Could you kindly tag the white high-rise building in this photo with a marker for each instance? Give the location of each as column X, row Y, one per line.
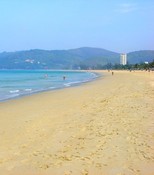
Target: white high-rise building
column 123, row 59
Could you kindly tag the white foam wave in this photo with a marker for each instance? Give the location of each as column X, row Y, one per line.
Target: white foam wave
column 9, row 97
column 14, row 91
column 14, row 95
column 52, row 87
column 28, row 89
column 74, row 82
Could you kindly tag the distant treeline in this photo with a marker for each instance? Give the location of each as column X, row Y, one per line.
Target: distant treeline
column 140, row 66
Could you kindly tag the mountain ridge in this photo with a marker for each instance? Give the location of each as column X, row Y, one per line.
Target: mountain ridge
column 68, row 59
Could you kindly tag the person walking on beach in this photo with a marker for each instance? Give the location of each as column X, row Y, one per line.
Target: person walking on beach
column 112, row 73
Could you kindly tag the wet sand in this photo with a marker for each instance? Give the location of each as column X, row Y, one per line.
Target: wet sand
column 104, row 127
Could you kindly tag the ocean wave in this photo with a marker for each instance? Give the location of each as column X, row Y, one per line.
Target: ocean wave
column 14, row 91
column 74, row 82
column 52, row 87
column 7, row 97
column 28, row 89
column 94, row 74
column 14, row 95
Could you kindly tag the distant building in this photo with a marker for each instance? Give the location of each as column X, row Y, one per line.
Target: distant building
column 123, row 59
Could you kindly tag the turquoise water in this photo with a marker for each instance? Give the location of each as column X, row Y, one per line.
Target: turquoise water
column 16, row 83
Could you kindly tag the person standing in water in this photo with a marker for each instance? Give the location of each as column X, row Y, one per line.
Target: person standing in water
column 46, row 76
column 64, row 77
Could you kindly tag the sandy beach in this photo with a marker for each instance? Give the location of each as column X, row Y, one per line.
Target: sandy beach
column 104, row 127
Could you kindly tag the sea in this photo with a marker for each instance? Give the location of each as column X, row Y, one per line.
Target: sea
column 17, row 83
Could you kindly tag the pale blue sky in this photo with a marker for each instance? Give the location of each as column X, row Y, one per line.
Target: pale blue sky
column 117, row 25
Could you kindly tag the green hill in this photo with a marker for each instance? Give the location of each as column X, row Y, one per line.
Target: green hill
column 68, row 59
column 140, row 56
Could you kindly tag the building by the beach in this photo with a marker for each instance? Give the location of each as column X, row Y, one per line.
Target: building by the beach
column 123, row 59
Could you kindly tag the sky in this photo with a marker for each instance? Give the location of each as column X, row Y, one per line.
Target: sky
column 116, row 25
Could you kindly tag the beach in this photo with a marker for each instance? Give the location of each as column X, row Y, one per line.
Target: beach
column 103, row 127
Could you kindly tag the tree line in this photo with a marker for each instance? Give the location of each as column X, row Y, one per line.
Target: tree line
column 139, row 66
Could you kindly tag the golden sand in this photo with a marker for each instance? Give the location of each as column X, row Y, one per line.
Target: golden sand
column 104, row 127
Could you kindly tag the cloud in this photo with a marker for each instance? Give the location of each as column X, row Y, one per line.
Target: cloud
column 126, row 8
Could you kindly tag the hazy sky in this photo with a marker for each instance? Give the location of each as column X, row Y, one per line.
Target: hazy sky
column 117, row 25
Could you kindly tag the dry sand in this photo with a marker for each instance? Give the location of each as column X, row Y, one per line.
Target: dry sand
column 105, row 127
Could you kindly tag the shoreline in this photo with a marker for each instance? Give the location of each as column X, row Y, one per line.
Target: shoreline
column 101, row 127
column 67, row 85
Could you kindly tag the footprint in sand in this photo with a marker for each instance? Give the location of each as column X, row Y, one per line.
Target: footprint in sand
column 98, row 165
column 45, row 166
column 68, row 173
column 84, row 172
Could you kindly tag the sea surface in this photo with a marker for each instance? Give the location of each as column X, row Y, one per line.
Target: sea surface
column 16, row 83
